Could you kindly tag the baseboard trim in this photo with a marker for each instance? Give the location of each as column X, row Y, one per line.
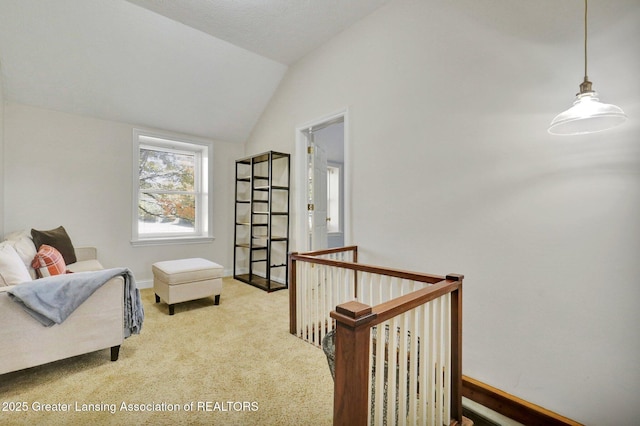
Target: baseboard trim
column 511, row 406
column 144, row 284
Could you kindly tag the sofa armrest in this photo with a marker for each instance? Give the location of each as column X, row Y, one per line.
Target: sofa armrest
column 86, row 253
column 96, row 324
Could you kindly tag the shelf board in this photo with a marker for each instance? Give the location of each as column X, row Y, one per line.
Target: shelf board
column 265, row 237
column 249, row 224
column 266, row 187
column 272, row 213
column 261, row 283
column 261, row 158
column 252, row 247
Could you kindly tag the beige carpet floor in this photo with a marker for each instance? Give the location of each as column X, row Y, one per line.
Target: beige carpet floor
column 231, row 364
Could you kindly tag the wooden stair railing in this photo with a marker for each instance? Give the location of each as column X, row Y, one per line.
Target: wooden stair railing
column 353, row 333
column 353, row 330
column 341, row 254
column 354, row 320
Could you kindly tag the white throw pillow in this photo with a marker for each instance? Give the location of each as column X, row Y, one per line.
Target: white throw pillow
column 23, row 244
column 12, row 269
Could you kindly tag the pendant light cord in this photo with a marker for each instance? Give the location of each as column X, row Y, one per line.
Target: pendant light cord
column 585, row 86
column 585, row 39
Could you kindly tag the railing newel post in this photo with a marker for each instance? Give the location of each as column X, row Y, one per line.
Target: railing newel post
column 456, row 348
column 351, row 383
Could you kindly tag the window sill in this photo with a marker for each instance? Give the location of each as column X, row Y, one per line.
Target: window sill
column 171, row 240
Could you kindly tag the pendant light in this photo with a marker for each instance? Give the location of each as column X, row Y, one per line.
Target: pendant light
column 588, row 114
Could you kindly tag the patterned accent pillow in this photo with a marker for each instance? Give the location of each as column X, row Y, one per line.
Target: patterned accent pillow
column 48, row 262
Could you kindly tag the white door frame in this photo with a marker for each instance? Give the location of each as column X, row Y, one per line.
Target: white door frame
column 301, row 177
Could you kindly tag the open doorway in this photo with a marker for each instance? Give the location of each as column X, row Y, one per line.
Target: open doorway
column 322, row 183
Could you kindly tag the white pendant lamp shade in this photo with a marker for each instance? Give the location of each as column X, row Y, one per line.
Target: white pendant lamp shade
column 588, row 114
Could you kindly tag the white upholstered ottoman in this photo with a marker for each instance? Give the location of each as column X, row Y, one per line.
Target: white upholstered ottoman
column 176, row 281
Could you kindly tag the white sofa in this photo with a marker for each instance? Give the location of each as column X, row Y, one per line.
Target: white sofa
column 96, row 324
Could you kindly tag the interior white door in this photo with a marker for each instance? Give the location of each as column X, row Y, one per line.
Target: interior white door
column 317, row 195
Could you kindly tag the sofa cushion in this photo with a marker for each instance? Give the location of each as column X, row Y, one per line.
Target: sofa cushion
column 85, row 266
column 12, row 269
column 48, row 262
column 57, row 238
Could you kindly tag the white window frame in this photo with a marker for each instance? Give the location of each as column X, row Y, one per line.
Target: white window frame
column 203, row 182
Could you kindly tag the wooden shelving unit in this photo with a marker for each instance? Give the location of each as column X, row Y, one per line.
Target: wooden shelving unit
column 261, row 228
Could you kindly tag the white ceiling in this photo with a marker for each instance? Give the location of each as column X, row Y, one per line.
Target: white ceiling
column 209, row 67
column 283, row 30
column 118, row 61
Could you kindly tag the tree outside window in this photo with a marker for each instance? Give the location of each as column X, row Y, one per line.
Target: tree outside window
column 171, row 189
column 167, row 200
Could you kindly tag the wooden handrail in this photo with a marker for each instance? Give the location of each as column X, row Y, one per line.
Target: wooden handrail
column 511, row 406
column 399, row 305
column 361, row 267
column 354, row 249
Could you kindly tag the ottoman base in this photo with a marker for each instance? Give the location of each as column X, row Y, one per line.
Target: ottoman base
column 187, row 294
column 216, row 301
column 186, row 279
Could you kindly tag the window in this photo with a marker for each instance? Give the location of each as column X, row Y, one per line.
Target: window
column 334, row 206
column 171, row 183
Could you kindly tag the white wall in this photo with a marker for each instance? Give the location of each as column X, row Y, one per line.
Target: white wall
column 1, row 156
column 453, row 171
column 63, row 169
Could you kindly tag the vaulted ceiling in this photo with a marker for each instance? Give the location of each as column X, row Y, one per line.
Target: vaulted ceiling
column 282, row 30
column 209, row 67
